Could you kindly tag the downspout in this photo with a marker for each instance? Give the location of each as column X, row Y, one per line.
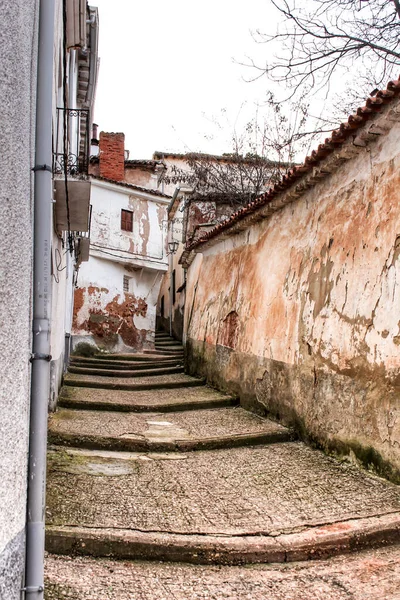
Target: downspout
column 40, row 379
column 170, row 256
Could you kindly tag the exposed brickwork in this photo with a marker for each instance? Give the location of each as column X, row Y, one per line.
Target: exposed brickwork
column 112, row 156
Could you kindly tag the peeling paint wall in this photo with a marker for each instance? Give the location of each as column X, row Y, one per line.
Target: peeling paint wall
column 105, row 313
column 147, row 178
column 316, row 291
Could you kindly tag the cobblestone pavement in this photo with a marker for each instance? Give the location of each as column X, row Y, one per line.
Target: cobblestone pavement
column 371, row 575
column 266, row 489
column 178, row 425
column 272, row 502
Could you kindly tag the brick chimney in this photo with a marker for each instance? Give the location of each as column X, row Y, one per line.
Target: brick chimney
column 112, row 156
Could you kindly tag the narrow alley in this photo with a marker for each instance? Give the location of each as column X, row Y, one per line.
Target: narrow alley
column 160, row 487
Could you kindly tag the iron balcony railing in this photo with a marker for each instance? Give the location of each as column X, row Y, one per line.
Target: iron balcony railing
column 72, row 142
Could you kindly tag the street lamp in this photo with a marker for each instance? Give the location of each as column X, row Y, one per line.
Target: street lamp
column 173, row 247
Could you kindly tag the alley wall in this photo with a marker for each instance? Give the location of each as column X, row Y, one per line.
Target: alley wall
column 299, row 314
column 18, row 43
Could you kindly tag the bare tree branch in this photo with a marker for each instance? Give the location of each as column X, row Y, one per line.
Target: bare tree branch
column 318, row 37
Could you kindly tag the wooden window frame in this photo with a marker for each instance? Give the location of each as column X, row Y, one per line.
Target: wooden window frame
column 126, row 220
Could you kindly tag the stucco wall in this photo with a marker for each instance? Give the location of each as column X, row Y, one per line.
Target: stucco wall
column 300, row 313
column 18, row 46
column 146, row 241
column 109, row 317
column 104, row 313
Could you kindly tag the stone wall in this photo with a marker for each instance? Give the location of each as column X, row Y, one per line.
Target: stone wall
column 299, row 314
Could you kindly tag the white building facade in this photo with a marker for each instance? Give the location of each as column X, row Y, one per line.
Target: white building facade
column 117, row 289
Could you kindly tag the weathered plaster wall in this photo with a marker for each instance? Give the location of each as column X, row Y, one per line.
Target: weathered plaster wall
column 300, row 313
column 104, row 313
column 18, row 51
column 172, row 321
column 109, row 317
column 143, row 177
column 146, row 241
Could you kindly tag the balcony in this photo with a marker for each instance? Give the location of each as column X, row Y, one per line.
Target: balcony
column 72, row 142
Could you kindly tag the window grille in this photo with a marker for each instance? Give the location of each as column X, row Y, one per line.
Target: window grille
column 126, row 283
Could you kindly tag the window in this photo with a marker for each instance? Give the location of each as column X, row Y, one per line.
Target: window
column 126, row 220
column 126, row 283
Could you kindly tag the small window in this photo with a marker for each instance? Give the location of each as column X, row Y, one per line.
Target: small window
column 126, row 283
column 126, row 220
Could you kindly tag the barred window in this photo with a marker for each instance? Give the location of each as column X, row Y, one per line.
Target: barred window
column 126, row 283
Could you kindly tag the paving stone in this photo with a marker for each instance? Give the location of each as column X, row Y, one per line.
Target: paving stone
column 223, row 427
column 370, row 575
column 143, row 400
column 266, row 489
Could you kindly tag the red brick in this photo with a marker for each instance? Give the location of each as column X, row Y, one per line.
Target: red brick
column 112, row 156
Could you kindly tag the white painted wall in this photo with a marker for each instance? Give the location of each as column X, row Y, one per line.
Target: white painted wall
column 102, row 307
column 18, row 49
column 145, row 243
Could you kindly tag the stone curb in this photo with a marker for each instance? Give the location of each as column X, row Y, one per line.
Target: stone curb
column 118, row 373
column 109, row 385
column 312, row 543
column 94, row 442
column 162, row 408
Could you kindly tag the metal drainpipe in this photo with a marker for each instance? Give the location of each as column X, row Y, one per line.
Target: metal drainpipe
column 171, row 264
column 40, row 382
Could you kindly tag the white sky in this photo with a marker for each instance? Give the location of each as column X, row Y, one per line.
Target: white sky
column 168, row 68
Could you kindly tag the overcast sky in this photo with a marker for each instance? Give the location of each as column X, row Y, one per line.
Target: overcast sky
column 167, row 69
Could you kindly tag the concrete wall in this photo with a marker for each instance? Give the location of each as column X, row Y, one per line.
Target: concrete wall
column 300, row 313
column 104, row 313
column 18, row 51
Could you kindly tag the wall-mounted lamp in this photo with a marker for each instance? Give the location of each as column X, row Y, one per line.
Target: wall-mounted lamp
column 172, row 247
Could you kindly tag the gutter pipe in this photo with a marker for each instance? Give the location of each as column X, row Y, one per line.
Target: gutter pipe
column 40, row 379
column 170, row 257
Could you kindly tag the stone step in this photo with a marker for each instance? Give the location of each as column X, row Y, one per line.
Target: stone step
column 153, row 382
column 126, row 364
column 168, row 344
column 165, row 400
column 275, row 503
column 153, row 432
column 163, row 336
column 370, row 575
column 172, row 351
column 143, row 357
column 159, row 370
column 165, row 353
